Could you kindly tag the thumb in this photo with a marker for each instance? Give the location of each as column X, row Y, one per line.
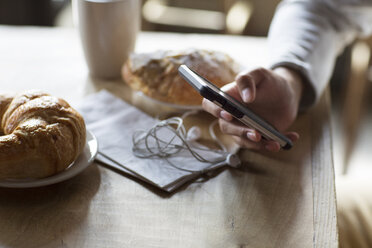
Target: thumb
column 248, row 82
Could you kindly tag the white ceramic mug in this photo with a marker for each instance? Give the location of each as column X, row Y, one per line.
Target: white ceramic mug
column 108, row 31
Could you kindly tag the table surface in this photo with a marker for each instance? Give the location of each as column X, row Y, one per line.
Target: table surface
column 275, row 200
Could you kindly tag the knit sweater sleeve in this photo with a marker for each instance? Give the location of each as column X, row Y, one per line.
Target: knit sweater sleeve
column 309, row 35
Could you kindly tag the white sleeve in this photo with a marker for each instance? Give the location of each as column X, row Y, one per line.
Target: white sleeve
column 308, row 35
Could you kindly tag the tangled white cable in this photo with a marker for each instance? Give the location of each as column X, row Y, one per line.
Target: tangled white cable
column 169, row 137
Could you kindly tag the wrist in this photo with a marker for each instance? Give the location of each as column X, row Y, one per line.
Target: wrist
column 294, row 80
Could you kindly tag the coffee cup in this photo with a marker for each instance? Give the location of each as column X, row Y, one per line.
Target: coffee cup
column 108, row 31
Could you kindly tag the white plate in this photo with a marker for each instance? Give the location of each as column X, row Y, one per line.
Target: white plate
column 82, row 162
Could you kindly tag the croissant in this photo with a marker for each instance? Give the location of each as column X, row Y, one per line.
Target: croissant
column 40, row 135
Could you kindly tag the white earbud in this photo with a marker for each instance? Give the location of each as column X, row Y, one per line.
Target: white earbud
column 233, row 160
column 194, row 133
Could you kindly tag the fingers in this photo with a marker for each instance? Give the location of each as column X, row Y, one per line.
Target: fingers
column 215, row 110
column 211, row 108
column 247, row 83
column 249, row 138
column 245, row 143
column 271, row 146
column 293, row 136
column 242, row 131
column 226, row 115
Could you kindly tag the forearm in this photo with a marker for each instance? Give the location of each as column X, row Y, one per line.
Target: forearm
column 307, row 36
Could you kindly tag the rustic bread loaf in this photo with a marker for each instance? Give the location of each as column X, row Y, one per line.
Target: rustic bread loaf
column 156, row 75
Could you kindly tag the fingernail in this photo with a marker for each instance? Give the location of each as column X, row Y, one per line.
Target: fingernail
column 252, row 136
column 225, row 115
column 246, row 95
column 272, row 147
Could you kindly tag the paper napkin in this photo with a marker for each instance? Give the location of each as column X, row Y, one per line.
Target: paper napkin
column 114, row 121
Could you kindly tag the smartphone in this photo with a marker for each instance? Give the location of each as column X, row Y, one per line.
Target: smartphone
column 211, row 92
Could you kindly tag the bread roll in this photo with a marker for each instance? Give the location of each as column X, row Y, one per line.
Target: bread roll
column 41, row 135
column 156, row 74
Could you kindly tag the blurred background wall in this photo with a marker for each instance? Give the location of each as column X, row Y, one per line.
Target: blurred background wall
column 27, row 12
column 244, row 17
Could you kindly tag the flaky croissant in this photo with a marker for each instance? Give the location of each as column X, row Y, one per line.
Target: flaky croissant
column 40, row 135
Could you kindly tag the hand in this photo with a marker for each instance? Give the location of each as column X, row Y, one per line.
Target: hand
column 274, row 95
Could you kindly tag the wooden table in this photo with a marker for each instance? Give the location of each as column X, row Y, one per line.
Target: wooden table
column 281, row 200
